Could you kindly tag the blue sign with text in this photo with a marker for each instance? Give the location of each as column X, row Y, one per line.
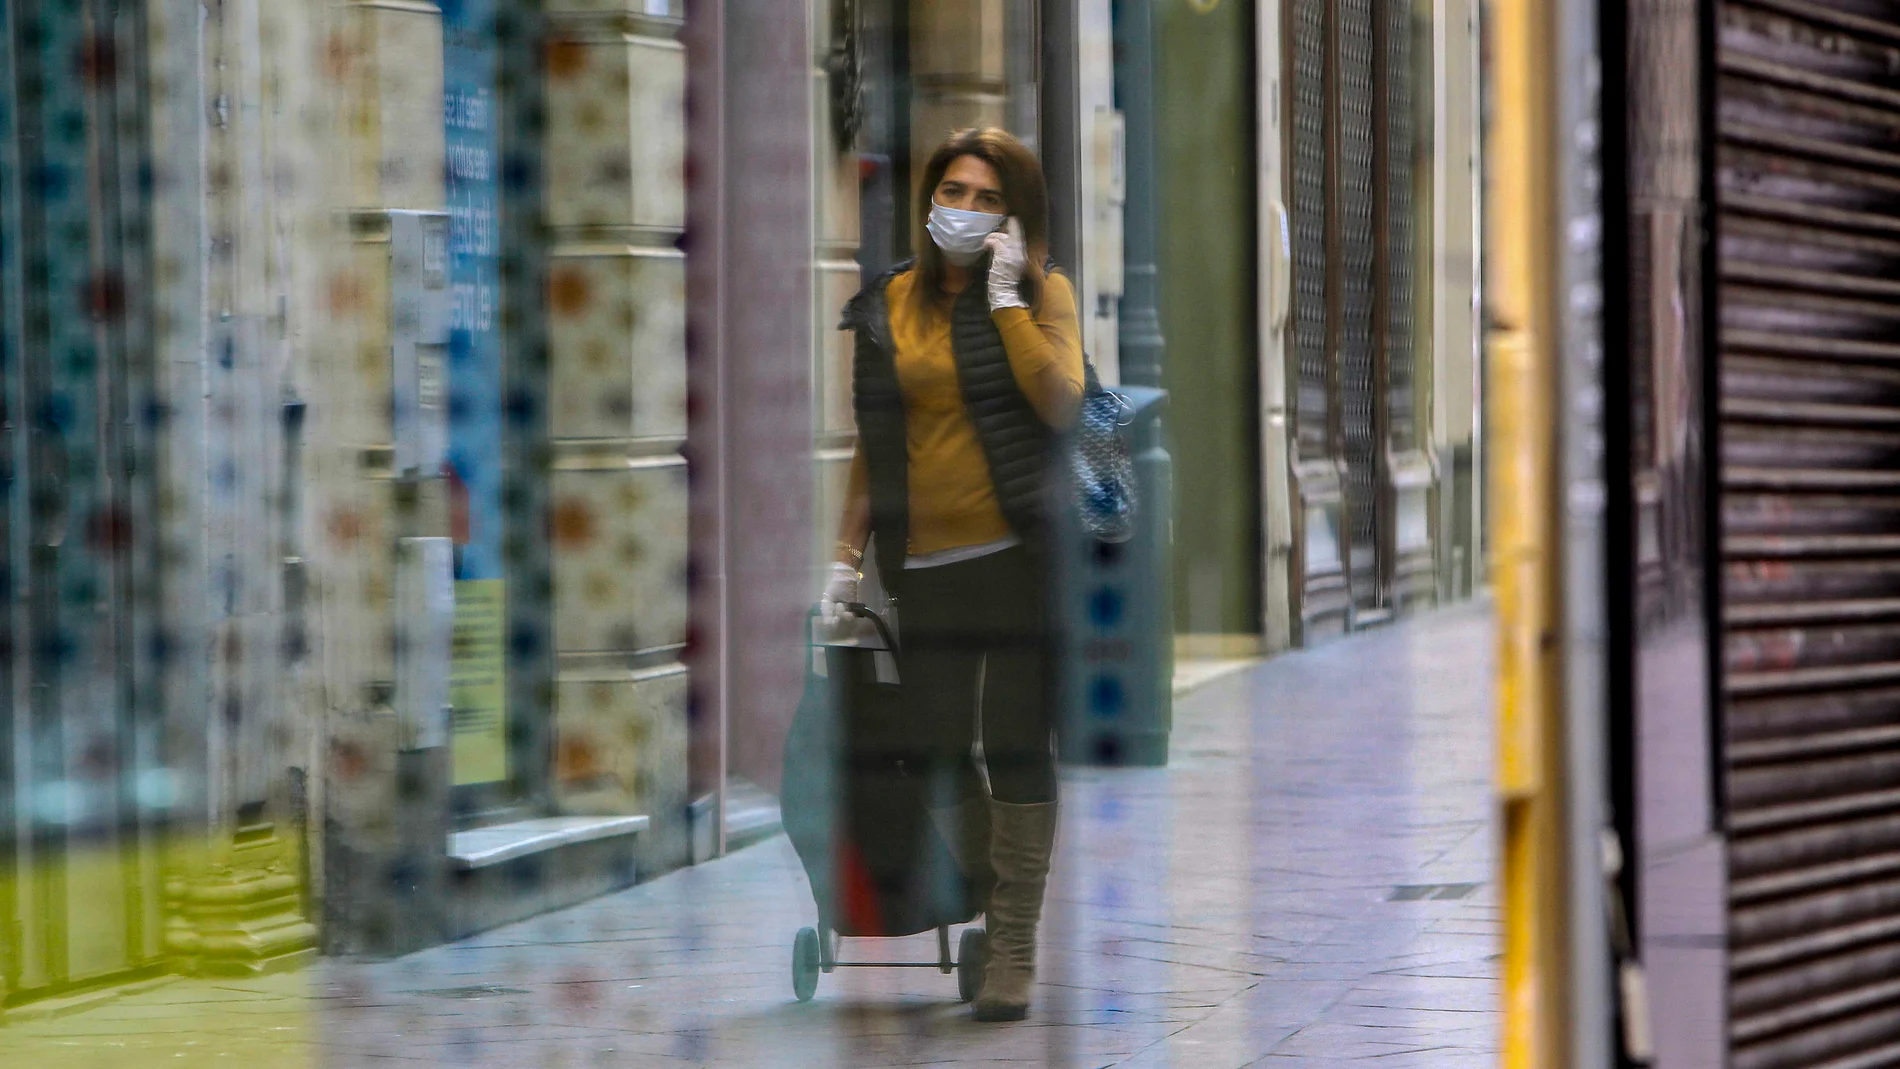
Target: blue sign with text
column 474, row 340
column 478, row 696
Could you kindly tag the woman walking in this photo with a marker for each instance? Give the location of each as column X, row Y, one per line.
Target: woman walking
column 968, row 362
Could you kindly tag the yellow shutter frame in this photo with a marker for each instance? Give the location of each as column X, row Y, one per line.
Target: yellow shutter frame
column 1520, row 411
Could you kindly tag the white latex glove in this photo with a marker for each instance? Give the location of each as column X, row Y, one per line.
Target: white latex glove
column 1008, row 260
column 840, row 591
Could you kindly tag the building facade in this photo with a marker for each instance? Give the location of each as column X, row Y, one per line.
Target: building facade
column 425, row 431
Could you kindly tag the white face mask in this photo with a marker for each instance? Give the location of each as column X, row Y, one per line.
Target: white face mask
column 959, row 233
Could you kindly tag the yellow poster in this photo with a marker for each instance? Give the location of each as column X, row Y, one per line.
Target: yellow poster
column 477, row 687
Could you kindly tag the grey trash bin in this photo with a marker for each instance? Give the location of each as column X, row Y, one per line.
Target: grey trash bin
column 1114, row 615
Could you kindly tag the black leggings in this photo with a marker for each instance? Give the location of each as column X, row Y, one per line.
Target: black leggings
column 981, row 620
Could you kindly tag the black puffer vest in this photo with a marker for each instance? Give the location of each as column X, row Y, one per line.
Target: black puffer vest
column 1016, row 442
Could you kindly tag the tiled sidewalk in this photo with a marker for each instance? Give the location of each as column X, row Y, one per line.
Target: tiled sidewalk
column 1308, row 884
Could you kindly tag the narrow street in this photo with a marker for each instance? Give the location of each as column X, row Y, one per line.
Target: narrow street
column 1308, row 884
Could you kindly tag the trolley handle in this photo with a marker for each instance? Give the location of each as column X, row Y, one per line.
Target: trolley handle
column 864, row 612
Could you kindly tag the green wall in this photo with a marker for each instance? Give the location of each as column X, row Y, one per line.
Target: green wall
column 1204, row 124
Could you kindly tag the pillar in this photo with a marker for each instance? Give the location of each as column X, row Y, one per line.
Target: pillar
column 617, row 424
column 240, row 901
column 385, row 785
column 959, row 71
column 1141, row 347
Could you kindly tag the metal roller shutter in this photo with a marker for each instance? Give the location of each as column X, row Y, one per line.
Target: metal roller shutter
column 1809, row 217
column 1405, row 543
column 1358, row 379
column 1325, row 600
column 1397, row 226
column 1308, row 212
column 1352, row 145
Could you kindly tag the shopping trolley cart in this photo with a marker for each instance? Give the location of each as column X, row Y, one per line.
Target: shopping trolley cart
column 853, row 804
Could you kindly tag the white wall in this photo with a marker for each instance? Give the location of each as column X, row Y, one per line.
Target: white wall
column 1456, row 275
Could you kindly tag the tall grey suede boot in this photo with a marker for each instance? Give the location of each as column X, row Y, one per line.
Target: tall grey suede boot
column 1021, row 838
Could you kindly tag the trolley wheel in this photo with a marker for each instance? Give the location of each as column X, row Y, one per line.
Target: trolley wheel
column 973, row 953
column 805, row 964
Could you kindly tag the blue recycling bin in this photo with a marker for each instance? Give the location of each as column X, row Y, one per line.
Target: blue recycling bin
column 1115, row 618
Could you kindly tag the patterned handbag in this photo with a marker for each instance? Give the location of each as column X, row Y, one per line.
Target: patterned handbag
column 1101, row 465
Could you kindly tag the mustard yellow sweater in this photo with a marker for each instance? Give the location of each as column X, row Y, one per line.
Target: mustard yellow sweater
column 952, row 499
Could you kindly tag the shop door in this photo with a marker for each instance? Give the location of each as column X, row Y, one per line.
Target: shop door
column 1315, row 455
column 1361, row 481
column 1360, row 364
column 81, row 884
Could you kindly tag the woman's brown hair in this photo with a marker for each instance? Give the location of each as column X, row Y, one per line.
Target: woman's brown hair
column 1024, row 190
